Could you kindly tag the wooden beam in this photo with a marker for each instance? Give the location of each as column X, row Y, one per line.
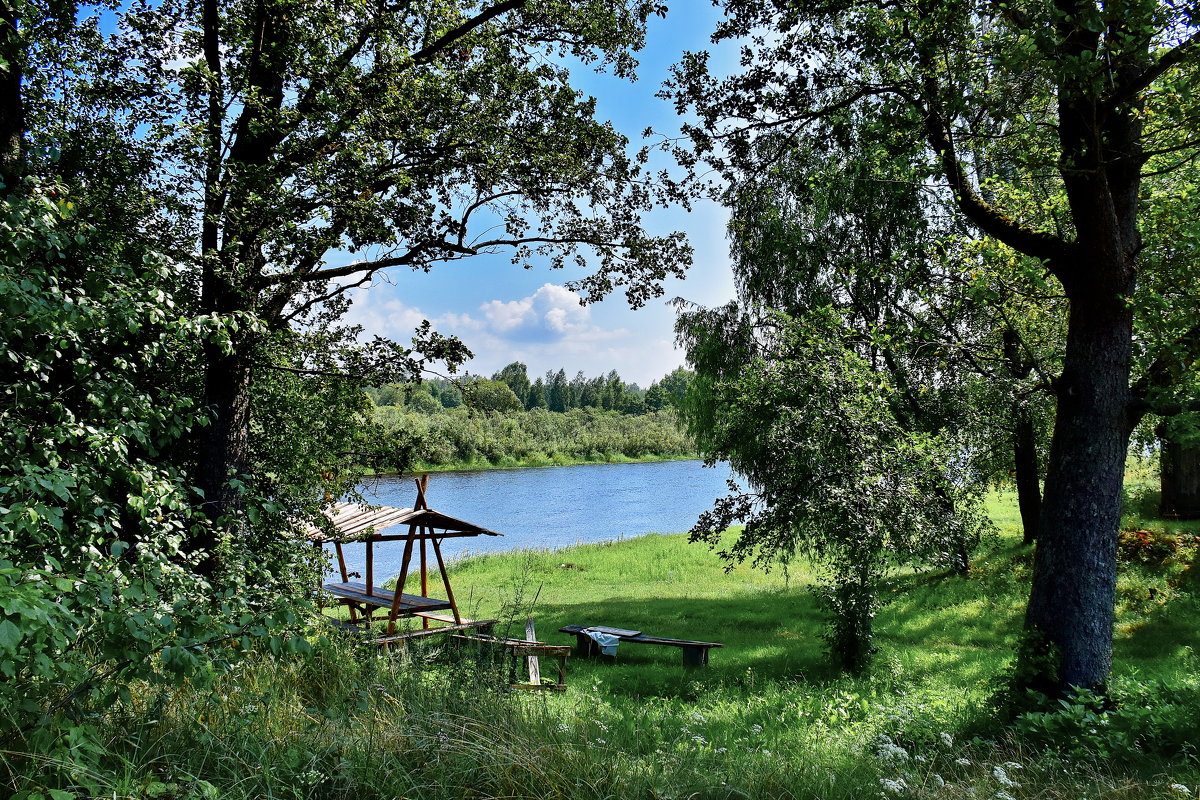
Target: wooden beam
column 437, row 551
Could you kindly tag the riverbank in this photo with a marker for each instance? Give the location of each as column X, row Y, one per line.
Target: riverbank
column 767, row 719
column 537, row 461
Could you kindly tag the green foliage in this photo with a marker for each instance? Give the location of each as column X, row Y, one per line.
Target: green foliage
column 1135, row 720
column 493, row 395
column 462, row 437
column 96, row 587
column 832, row 474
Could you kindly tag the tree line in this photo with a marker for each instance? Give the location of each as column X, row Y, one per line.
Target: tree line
column 507, row 420
column 510, row 389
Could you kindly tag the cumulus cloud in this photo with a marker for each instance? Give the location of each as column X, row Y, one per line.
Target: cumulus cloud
column 546, row 330
column 550, row 314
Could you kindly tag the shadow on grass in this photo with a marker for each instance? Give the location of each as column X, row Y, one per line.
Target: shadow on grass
column 936, row 625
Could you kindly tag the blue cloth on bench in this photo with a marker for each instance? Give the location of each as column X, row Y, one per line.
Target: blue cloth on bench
column 605, row 641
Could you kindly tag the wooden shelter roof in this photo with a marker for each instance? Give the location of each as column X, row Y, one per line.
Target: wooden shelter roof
column 351, row 520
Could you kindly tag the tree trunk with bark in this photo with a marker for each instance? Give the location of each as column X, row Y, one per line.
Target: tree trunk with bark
column 1071, row 603
column 1070, row 610
column 1179, row 479
column 12, row 108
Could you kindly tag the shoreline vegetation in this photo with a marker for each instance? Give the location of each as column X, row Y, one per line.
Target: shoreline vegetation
column 419, row 467
column 507, row 422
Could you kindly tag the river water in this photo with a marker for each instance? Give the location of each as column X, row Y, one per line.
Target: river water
column 552, row 507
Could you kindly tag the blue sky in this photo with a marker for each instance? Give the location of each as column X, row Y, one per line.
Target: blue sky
column 505, row 314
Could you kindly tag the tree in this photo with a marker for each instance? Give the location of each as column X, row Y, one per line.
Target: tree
column 844, row 227
column 304, row 134
column 675, row 383
column 833, row 476
column 537, row 395
column 489, row 395
column 558, row 391
column 1060, row 94
column 517, row 378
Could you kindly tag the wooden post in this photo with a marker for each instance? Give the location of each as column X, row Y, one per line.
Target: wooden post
column 398, row 599
column 424, row 576
column 341, row 557
column 535, row 669
column 437, row 551
column 370, row 567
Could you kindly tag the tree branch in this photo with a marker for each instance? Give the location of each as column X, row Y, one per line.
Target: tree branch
column 1126, row 91
column 406, row 260
column 426, row 54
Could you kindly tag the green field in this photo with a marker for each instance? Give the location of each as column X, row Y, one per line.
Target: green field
column 767, row 719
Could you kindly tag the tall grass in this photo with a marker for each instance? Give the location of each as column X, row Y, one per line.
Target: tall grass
column 767, row 719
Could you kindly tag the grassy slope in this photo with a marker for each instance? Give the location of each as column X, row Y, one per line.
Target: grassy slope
column 940, row 629
column 767, row 719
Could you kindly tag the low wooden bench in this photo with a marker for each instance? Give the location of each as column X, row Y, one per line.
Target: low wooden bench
column 410, row 605
column 517, row 649
column 695, row 654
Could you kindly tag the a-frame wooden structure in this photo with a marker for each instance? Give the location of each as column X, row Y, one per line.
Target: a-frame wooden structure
column 426, row 530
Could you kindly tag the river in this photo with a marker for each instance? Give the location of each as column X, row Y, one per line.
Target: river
column 552, row 507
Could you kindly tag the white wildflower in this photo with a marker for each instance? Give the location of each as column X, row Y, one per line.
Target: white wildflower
column 756, row 729
column 947, row 739
column 893, row 786
column 1003, row 796
column 938, row 780
column 1179, row 788
column 963, row 762
column 1002, row 777
column 888, row 751
column 1012, row 765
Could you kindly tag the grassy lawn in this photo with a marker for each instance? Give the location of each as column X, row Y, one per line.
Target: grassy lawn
column 767, row 719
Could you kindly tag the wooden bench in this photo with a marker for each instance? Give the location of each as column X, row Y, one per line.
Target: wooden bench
column 410, row 605
column 516, row 649
column 695, row 654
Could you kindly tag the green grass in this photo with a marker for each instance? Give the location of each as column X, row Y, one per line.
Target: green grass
column 767, row 719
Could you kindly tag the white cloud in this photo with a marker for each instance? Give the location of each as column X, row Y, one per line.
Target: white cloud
column 552, row 312
column 546, row 330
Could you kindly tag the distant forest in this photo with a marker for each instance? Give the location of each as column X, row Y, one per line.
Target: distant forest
column 510, row 420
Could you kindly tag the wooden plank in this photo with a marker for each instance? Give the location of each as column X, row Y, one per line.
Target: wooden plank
column 535, row 669
column 450, row 619
column 554, row 650
column 642, row 638
column 382, row 598
column 614, row 631
column 400, row 637
column 543, row 687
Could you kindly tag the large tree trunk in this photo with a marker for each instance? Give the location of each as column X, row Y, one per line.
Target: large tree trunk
column 224, row 447
column 1180, row 479
column 1070, row 609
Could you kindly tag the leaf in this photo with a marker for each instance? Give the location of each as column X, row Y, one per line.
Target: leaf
column 10, row 636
